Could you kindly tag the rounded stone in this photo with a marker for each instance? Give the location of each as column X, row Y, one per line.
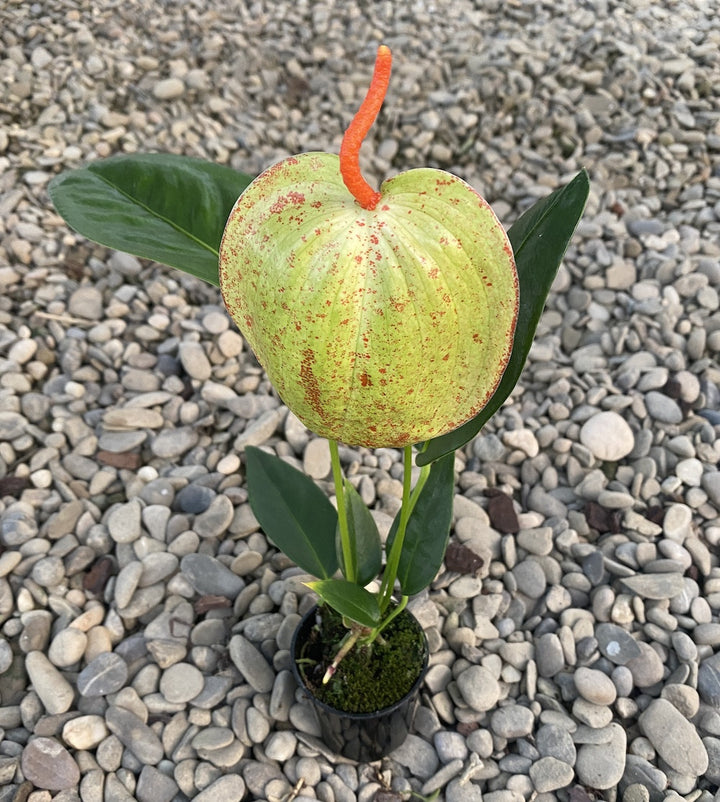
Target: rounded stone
column 104, row 675
column 181, row 682
column 595, row 686
column 85, row 732
column 607, row 436
column 479, row 688
column 550, row 774
column 67, row 647
column 48, row 764
column 512, row 721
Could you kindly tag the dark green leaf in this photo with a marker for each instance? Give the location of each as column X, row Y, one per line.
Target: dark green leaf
column 159, row 206
column 539, row 240
column 428, row 529
column 349, row 599
column 364, row 538
column 294, row 513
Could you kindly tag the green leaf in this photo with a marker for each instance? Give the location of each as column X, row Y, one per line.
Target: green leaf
column 428, row 528
column 293, row 512
column 159, row 206
column 349, row 600
column 539, row 238
column 364, row 538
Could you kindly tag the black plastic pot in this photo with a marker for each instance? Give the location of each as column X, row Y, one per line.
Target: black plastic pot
column 360, row 736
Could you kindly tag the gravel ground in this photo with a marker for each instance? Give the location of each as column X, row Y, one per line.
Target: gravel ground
column 144, row 619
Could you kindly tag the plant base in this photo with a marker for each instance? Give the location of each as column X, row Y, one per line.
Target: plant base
column 360, row 716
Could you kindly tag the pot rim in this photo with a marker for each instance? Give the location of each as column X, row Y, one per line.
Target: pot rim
column 357, row 716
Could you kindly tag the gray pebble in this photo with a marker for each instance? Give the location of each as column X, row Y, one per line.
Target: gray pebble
column 251, row 664
column 512, row 721
column 616, row 643
column 684, row 751
column 47, row 764
column 209, row 576
column 549, row 655
column 550, row 774
column 601, row 765
column 134, row 734
column 154, row 786
column 479, row 688
column 418, row 756
column 554, row 741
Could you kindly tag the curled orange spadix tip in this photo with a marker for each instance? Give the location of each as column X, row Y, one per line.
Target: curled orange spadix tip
column 365, row 195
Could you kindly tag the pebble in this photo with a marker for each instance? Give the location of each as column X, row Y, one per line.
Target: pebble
column 251, row 664
column 512, row 721
column 607, row 436
column 104, row 675
column 181, row 682
column 601, row 764
column 47, row 764
column 479, row 688
column 54, row 691
column 684, row 752
column 594, row 686
column 209, row 576
column 134, row 734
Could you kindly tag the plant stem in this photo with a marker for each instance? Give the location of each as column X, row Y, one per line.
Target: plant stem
column 348, row 553
column 395, row 611
column 349, row 641
column 393, row 560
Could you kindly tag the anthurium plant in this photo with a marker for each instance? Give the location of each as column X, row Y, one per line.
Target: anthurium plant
column 399, row 317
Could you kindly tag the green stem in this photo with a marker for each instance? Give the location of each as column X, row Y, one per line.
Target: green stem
column 393, row 560
column 395, row 611
column 349, row 568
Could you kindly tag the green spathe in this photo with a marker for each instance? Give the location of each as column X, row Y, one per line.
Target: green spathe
column 380, row 327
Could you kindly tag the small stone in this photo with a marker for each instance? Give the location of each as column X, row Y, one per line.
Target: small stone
column 194, row 361
column 85, row 732
column 67, row 647
column 554, row 741
column 530, row 578
column 550, row 774
column 594, row 686
column 216, row 519
column 86, row 302
column 655, row 586
column 210, row 577
column 154, row 786
column 47, row 764
column 316, row 460
column 281, row 746
column 104, row 675
column 709, row 680
column 134, row 734
column 54, row 690
column 181, row 682
column 229, row 788
column 607, row 436
column 173, row 443
column 417, row 755
column 663, row 408
column 674, row 738
column 616, row 643
column 512, row 721
column 124, row 522
column 194, row 499
column 479, row 688
column 602, row 765
column 251, row 664
column 647, row 668
column 549, row 655
column 168, row 89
